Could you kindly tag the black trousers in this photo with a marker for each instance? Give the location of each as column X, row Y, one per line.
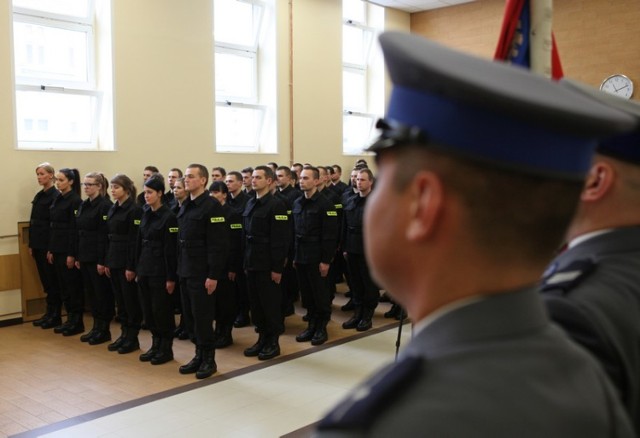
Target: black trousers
column 127, row 299
column 157, row 306
column 48, row 278
column 70, row 281
column 289, row 286
column 314, row 291
column 242, row 294
column 99, row 292
column 226, row 302
column 365, row 292
column 265, row 298
column 198, row 311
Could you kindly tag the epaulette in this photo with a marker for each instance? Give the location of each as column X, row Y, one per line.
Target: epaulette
column 567, row 278
column 373, row 397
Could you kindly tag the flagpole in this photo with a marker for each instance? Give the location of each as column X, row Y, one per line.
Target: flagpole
column 540, row 36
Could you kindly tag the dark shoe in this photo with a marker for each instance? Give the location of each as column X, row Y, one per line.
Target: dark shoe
column 256, row 348
column 270, row 350
column 155, row 346
column 308, row 333
column 320, row 336
column 402, row 314
column 54, row 321
column 193, row 365
column 100, row 337
column 91, row 333
column 47, row 315
column 118, row 342
column 208, row 366
column 348, row 307
column 129, row 345
column 224, row 338
column 352, row 322
column 366, row 322
column 62, row 327
column 165, row 352
column 177, row 332
column 395, row 310
column 242, row 320
column 76, row 327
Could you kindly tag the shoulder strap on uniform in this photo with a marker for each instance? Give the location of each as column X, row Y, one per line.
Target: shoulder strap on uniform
column 568, row 277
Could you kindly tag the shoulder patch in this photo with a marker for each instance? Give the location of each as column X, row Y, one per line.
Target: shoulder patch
column 370, row 399
column 216, row 220
column 567, row 277
column 281, row 217
column 173, row 229
column 236, row 226
column 338, row 206
column 332, row 213
column 136, row 222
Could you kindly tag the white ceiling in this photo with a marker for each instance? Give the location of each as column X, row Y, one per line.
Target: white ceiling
column 418, row 5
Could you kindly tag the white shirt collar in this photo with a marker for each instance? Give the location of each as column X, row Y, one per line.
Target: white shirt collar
column 584, row 237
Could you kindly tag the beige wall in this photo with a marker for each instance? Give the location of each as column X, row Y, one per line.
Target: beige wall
column 163, row 92
column 596, row 38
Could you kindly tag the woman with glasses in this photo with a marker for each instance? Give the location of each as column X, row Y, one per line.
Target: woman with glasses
column 62, row 249
column 91, row 222
column 123, row 221
column 39, row 231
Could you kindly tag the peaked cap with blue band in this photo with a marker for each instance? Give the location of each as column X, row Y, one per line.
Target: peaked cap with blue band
column 490, row 111
column 626, row 146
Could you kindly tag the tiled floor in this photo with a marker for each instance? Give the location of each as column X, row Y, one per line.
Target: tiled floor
column 48, row 379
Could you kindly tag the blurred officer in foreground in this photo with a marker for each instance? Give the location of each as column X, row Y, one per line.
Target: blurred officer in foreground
column 592, row 289
column 480, row 167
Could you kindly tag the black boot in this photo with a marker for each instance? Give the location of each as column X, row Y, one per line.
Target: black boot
column 223, row 338
column 366, row 322
column 165, row 351
column 393, row 312
column 208, row 365
column 65, row 325
column 194, row 364
column 308, row 333
column 349, row 306
column 130, row 343
column 353, row 322
column 102, row 334
column 242, row 320
column 54, row 320
column 118, row 342
column 76, row 327
column 91, row 333
column 38, row 322
column 321, row 335
column 151, row 352
column 255, row 349
column 271, row 348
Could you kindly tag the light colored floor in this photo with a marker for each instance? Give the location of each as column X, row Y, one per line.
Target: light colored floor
column 266, row 403
column 47, row 378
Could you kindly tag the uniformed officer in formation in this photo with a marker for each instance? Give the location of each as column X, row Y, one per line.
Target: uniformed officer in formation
column 156, row 270
column 266, row 240
column 203, row 250
column 480, row 169
column 316, row 232
column 592, row 289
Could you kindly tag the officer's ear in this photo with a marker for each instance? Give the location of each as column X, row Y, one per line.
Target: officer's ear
column 426, row 202
column 599, row 181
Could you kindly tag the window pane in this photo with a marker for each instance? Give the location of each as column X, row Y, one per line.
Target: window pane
column 50, row 53
column 354, row 10
column 234, row 22
column 235, row 77
column 356, row 134
column 354, row 90
column 75, row 8
column 55, row 118
column 354, row 45
column 237, row 128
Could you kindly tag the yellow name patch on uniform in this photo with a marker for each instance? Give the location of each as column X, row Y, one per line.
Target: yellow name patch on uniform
column 215, row 220
column 75, row 212
column 282, row 217
column 173, row 229
column 338, row 206
column 288, row 211
column 136, row 222
column 332, row 213
column 236, row 226
column 104, row 218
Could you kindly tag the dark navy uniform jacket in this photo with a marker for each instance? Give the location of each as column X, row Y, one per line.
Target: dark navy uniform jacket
column 203, row 238
column 239, row 202
column 91, row 223
column 62, row 215
column 39, row 224
column 267, row 234
column 352, row 240
column 156, row 247
column 593, row 292
column 316, row 228
column 122, row 223
column 234, row 222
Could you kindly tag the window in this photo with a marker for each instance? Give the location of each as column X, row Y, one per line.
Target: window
column 362, row 83
column 58, row 100
column 243, row 105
